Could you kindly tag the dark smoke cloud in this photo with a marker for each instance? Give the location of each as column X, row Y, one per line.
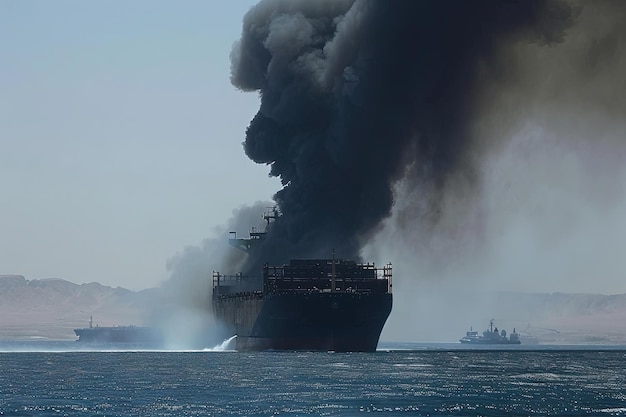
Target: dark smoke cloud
column 357, row 95
column 546, row 147
column 546, row 211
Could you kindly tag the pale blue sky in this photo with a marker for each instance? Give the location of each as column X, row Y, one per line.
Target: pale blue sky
column 120, row 136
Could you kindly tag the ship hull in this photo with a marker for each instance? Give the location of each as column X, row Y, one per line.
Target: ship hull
column 121, row 334
column 490, row 342
column 323, row 321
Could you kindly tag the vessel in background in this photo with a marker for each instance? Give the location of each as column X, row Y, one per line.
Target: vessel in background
column 491, row 336
column 117, row 334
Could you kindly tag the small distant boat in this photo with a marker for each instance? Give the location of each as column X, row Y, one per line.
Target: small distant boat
column 117, row 334
column 491, row 336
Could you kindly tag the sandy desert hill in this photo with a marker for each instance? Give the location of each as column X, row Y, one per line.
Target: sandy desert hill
column 52, row 308
column 49, row 309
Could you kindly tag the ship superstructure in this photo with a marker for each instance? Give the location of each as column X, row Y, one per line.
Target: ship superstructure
column 308, row 304
column 491, row 336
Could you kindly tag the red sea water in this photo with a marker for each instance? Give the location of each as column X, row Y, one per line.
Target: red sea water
column 407, row 380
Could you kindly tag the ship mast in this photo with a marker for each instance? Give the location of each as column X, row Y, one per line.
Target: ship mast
column 255, row 235
column 332, row 274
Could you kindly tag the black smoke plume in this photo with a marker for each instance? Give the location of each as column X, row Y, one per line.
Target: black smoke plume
column 357, row 95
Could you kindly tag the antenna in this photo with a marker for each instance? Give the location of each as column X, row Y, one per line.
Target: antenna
column 332, row 275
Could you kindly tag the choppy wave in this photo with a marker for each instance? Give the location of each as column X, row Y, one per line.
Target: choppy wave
column 416, row 383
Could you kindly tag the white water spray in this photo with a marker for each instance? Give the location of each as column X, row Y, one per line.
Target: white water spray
column 224, row 346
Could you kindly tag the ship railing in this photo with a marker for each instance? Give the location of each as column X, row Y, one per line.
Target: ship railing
column 387, row 274
column 323, row 278
column 303, row 274
column 307, row 273
column 223, row 284
column 362, row 291
column 241, row 295
column 324, row 285
column 277, row 278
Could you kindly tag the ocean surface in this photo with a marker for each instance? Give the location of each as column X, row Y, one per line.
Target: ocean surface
column 57, row 379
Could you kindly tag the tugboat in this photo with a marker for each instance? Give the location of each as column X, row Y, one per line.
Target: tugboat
column 491, row 336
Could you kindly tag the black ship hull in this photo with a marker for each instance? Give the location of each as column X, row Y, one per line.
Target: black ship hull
column 342, row 322
column 297, row 311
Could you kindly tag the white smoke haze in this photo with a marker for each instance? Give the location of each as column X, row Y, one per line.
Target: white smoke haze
column 184, row 314
column 549, row 139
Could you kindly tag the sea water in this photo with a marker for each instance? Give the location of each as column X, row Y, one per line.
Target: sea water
column 427, row 380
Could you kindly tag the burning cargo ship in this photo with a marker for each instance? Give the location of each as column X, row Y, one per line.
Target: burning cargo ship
column 307, row 304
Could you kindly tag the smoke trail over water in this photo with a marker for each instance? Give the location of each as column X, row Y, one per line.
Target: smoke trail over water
column 358, row 95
